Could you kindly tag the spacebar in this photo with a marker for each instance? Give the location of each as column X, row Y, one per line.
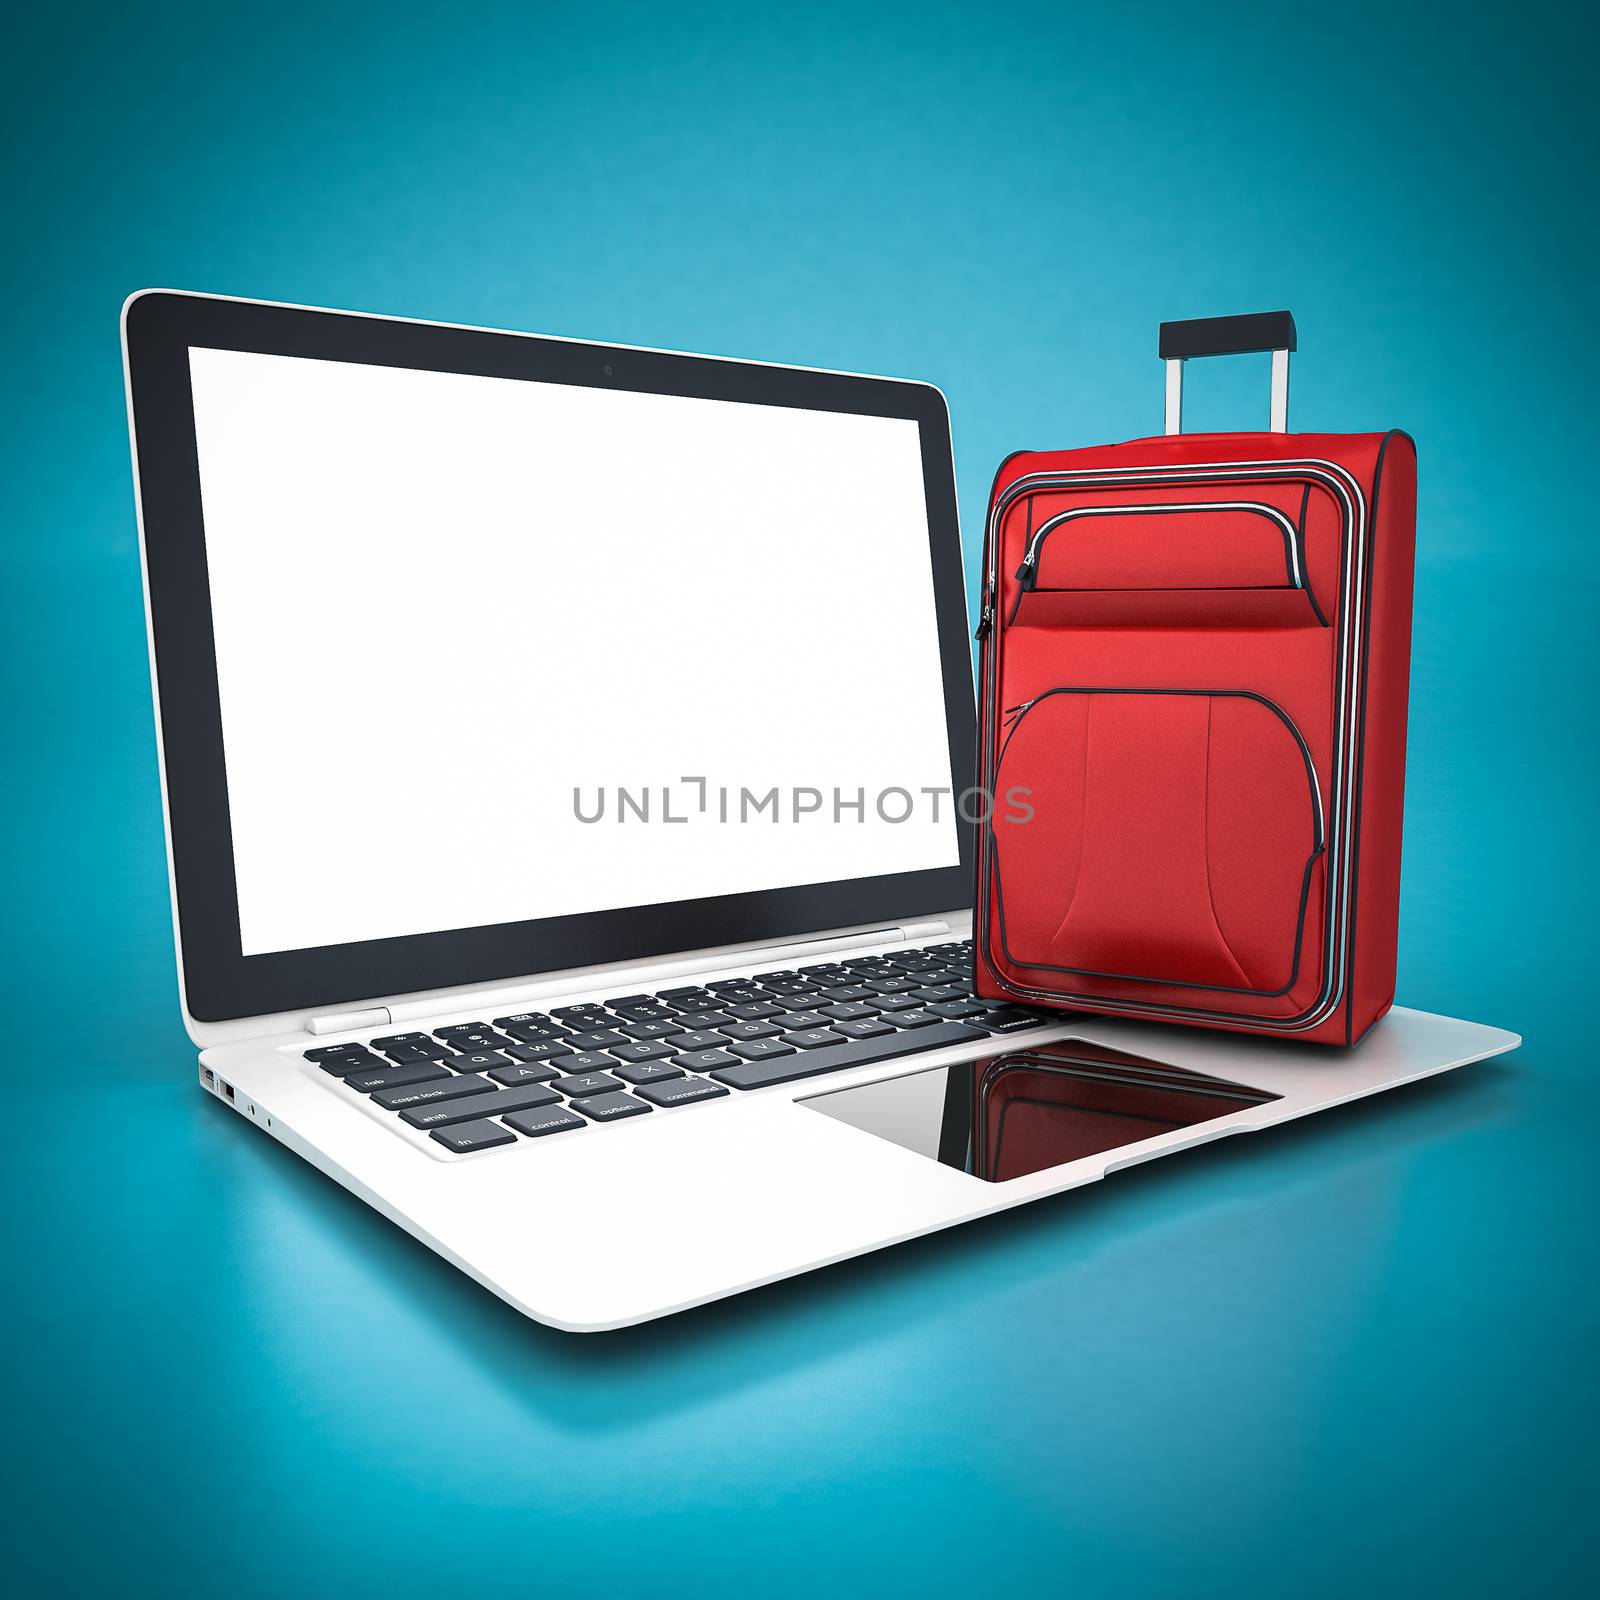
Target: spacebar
column 833, row 1057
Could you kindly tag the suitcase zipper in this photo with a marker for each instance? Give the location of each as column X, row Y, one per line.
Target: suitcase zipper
column 1028, row 573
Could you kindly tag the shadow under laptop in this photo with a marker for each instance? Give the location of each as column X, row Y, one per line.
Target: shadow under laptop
column 1338, row 1165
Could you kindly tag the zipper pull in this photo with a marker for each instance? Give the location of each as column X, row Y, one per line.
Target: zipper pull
column 1025, row 571
column 986, row 617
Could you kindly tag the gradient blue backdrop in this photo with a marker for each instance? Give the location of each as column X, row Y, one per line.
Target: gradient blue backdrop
column 1356, row 1356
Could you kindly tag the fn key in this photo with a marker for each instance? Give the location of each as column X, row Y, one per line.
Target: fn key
column 466, row 1137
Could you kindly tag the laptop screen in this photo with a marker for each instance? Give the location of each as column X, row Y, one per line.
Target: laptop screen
column 491, row 649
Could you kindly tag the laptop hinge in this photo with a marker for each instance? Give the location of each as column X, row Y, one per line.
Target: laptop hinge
column 349, row 1021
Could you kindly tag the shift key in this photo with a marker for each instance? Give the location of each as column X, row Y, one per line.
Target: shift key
column 473, row 1106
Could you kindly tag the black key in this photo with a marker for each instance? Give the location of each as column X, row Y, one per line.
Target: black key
column 895, row 1002
column 400, row 1038
column 423, row 1094
column 849, row 1013
column 694, row 1002
column 586, row 1061
column 675, row 994
column 529, row 1034
column 772, row 977
column 332, row 1052
column 735, row 986
column 916, row 1019
column 631, row 1000
column 853, row 1053
column 1011, row 1019
column 537, row 1052
column 343, row 1066
column 477, row 1061
column 790, row 991
column 705, row 1060
column 532, row 1027
column 890, row 985
column 804, row 1019
column 471, row 1043
column 428, row 1050
column 699, row 1021
column 680, row 1091
column 640, row 1050
column 536, row 1072
column 750, row 1030
column 586, row 1083
column 642, row 1013
column 958, row 1008
column 494, row 1104
column 758, row 1011
column 870, row 1028
column 762, row 1049
column 703, row 1040
column 456, row 1029
column 610, row 1107
column 648, row 1071
column 551, row 1119
column 649, row 1030
column 936, row 994
column 587, row 1009
column 598, row 1039
column 823, row 969
column 815, row 1038
column 394, row 1077
column 472, row 1136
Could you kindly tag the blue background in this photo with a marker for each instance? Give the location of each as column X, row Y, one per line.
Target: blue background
column 1356, row 1356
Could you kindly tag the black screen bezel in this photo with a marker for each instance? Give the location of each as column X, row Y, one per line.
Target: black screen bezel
column 220, row 982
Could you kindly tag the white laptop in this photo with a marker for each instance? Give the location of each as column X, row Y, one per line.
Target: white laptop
column 565, row 755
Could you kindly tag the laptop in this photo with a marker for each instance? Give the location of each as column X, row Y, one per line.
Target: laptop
column 566, row 757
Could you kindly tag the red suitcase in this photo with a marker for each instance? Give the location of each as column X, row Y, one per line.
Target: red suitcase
column 1196, row 653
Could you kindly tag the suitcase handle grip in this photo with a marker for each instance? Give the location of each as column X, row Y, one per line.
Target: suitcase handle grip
column 1229, row 336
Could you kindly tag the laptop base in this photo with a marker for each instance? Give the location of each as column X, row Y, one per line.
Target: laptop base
column 687, row 1206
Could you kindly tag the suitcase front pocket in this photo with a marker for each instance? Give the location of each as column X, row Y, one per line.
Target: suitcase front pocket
column 1215, row 563
column 1155, row 837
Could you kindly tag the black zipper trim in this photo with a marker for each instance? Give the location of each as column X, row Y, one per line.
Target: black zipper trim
column 1172, row 508
column 1293, row 546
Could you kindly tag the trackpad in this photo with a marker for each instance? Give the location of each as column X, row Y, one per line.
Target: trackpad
column 1005, row 1116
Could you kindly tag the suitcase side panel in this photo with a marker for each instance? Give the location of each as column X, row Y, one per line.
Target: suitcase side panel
column 1381, row 733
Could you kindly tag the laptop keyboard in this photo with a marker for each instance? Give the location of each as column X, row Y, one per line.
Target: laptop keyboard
column 475, row 1085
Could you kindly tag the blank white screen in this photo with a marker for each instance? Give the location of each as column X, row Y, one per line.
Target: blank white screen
column 443, row 603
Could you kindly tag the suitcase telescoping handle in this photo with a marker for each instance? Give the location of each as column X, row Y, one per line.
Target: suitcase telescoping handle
column 1229, row 336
